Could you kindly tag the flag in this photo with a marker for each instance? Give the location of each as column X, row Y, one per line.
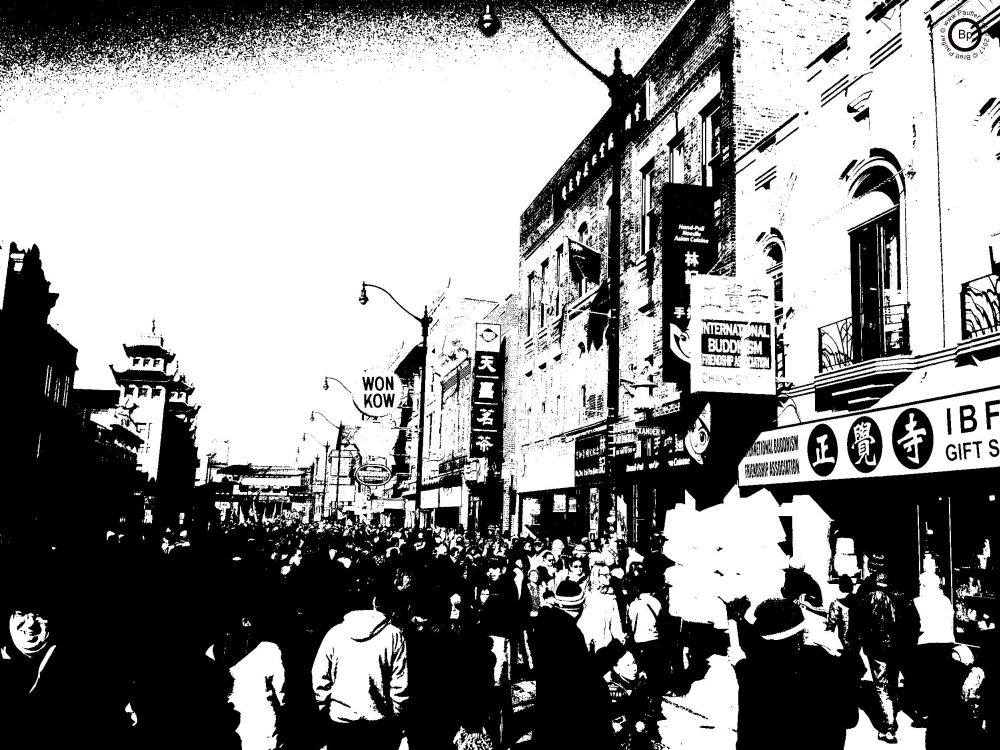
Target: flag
column 584, row 261
column 346, row 436
column 597, row 322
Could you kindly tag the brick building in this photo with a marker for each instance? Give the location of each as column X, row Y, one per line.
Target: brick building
column 869, row 207
column 717, row 83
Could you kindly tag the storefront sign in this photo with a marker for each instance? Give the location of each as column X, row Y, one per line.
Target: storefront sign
column 590, row 460
column 938, row 435
column 372, row 475
column 732, row 335
column 378, row 393
column 558, row 503
column 689, row 249
column 487, row 394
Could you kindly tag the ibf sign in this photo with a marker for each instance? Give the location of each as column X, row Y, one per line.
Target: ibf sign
column 486, row 435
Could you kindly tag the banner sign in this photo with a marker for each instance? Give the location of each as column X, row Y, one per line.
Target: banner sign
column 380, row 393
column 926, row 437
column 732, row 335
column 689, row 249
column 487, row 394
column 590, row 460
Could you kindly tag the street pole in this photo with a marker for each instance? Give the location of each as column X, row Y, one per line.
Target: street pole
column 425, row 322
column 326, row 472
column 336, row 492
column 618, row 89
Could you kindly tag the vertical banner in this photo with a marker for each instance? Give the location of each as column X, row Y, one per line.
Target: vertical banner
column 689, row 248
column 732, row 335
column 487, row 394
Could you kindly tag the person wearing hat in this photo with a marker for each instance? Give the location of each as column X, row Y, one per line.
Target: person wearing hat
column 572, row 704
column 791, row 695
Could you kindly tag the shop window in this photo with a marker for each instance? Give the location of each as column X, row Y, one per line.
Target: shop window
column 531, row 299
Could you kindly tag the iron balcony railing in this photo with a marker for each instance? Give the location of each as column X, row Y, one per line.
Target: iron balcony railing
column 861, row 338
column 980, row 306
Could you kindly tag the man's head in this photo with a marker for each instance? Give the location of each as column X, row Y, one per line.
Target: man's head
column 576, row 567
column 494, row 569
column 601, row 576
column 780, row 622
column 30, row 630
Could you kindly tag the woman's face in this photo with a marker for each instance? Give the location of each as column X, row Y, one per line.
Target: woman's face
column 533, row 576
column 29, row 631
column 576, row 568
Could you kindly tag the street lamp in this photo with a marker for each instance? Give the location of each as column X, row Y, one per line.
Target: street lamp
column 425, row 323
column 340, row 444
column 326, row 468
column 620, row 88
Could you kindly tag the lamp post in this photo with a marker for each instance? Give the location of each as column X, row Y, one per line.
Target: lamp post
column 425, row 323
column 340, row 441
column 619, row 85
column 326, row 468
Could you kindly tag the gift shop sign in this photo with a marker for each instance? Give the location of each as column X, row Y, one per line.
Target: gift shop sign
column 940, row 435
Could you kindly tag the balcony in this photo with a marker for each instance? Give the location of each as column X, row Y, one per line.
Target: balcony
column 841, row 344
column 861, row 358
column 980, row 307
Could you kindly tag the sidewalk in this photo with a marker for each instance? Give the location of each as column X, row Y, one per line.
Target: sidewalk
column 705, row 718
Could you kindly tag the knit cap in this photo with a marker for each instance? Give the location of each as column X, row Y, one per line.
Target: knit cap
column 569, row 597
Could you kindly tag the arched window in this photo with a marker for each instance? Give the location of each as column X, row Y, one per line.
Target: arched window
column 878, row 296
column 775, row 252
column 583, row 235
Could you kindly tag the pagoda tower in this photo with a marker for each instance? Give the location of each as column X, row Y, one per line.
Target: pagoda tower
column 159, row 396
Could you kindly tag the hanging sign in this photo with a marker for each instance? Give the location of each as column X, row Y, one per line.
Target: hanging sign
column 486, row 435
column 372, row 475
column 732, row 335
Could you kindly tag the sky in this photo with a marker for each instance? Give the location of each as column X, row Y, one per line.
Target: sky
column 234, row 172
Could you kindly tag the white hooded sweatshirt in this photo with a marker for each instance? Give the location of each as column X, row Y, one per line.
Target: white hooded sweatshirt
column 360, row 671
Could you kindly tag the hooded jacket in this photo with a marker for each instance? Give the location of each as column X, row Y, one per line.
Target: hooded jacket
column 360, row 671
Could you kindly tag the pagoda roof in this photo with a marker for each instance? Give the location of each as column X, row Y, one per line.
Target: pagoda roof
column 131, row 375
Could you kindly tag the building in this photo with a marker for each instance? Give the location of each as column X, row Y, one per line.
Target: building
column 869, row 210
column 716, row 84
column 114, row 444
column 41, row 431
column 152, row 386
column 456, row 490
column 256, row 491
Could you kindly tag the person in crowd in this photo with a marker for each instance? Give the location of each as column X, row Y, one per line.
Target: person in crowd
column 601, row 620
column 360, row 677
column 839, row 614
column 791, row 695
column 635, row 704
column 572, row 705
column 645, row 613
column 801, row 587
column 884, row 625
column 932, row 659
column 955, row 711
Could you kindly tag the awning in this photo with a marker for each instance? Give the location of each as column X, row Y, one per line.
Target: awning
column 548, row 467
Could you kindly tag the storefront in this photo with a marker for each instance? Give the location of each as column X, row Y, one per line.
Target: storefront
column 916, row 483
column 548, row 498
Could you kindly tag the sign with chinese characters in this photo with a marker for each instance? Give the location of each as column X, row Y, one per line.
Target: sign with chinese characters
column 486, row 435
column 732, row 335
column 689, row 249
column 590, row 460
column 938, row 435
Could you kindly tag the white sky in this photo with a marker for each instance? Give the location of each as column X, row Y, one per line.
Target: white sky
column 240, row 199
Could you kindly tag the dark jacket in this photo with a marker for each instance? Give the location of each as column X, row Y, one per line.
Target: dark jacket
column 573, row 708
column 884, row 623
column 804, row 699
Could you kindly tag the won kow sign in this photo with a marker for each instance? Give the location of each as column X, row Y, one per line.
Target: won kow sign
column 379, row 394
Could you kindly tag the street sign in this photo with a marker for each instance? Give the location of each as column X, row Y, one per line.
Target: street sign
column 372, row 475
column 378, row 393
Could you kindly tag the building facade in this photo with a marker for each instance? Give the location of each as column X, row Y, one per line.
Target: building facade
column 869, row 212
column 716, row 84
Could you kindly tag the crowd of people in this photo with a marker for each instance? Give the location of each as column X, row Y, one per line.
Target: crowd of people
column 285, row 635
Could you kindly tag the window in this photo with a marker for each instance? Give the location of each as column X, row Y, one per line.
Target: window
column 711, row 142
column 145, row 362
column 65, row 392
column 647, row 218
column 144, row 390
column 135, row 361
column 531, row 299
column 543, row 301
column 557, row 281
column 156, row 363
column 157, row 391
column 583, row 235
column 878, row 324
column 676, row 159
column 775, row 269
column 48, row 380
column 558, row 410
column 57, row 393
